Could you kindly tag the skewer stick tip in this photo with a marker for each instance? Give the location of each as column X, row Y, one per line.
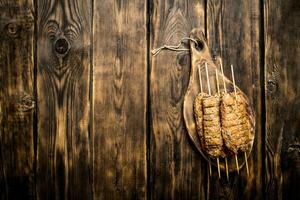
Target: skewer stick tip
column 200, row 79
column 226, row 166
column 233, row 80
column 217, row 79
column 234, row 86
column 219, row 172
column 207, row 76
column 246, row 162
column 224, row 83
column 237, row 164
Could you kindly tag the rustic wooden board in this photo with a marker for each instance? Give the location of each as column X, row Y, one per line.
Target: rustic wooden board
column 16, row 100
column 282, row 68
column 120, row 99
column 177, row 170
column 233, row 31
column 63, row 59
column 97, row 94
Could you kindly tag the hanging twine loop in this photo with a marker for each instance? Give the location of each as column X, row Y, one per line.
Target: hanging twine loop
column 156, row 51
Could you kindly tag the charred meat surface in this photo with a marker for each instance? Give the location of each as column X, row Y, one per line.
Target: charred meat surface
column 237, row 126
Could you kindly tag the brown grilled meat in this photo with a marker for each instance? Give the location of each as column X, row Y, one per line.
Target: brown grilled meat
column 237, row 122
column 213, row 140
column 198, row 113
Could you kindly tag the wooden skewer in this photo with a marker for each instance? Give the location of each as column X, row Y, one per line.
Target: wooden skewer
column 247, row 168
column 200, row 79
column 226, row 166
column 208, row 83
column 245, row 153
column 218, row 89
column 225, row 89
column 218, row 163
column 237, row 164
column 217, row 79
column 233, row 80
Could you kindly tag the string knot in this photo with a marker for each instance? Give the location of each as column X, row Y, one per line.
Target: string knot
column 156, row 51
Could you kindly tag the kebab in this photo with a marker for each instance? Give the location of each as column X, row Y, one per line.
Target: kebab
column 218, row 90
column 198, row 112
column 236, row 122
column 212, row 124
column 246, row 122
column 206, row 109
column 225, row 132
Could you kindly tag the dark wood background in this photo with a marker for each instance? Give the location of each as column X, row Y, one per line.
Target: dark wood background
column 87, row 113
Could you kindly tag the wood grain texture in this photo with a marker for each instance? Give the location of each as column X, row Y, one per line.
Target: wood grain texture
column 282, row 68
column 16, row 100
column 233, row 31
column 100, row 95
column 177, row 170
column 120, row 99
column 63, row 56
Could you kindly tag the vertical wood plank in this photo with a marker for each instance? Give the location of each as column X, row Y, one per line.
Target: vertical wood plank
column 16, row 99
column 177, row 171
column 233, row 31
column 120, row 99
column 63, row 56
column 282, row 68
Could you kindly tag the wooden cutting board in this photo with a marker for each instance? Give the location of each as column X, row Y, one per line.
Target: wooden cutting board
column 200, row 54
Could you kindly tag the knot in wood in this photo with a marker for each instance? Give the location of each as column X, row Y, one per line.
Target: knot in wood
column 272, row 86
column 61, row 46
column 21, row 104
column 12, row 29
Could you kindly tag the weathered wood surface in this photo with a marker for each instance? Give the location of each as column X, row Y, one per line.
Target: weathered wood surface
column 63, row 74
column 99, row 95
column 176, row 170
column 120, row 99
column 16, row 100
column 282, row 68
column 233, row 31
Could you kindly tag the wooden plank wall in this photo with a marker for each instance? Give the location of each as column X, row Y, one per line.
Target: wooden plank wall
column 119, row 99
column 282, row 67
column 17, row 104
column 63, row 84
column 86, row 112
